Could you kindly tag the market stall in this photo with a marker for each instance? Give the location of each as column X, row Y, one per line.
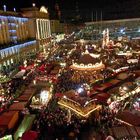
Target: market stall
column 17, row 106
column 24, row 126
column 9, row 119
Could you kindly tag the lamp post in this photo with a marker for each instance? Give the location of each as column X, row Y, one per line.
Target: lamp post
column 82, row 41
column 33, row 4
column 4, row 8
column 14, row 9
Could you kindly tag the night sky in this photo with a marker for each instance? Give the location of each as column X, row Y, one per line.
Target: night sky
column 109, row 8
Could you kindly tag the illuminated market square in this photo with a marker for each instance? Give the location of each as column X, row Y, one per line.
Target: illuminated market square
column 70, row 70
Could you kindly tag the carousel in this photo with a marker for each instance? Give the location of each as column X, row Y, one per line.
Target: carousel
column 81, row 105
column 88, row 67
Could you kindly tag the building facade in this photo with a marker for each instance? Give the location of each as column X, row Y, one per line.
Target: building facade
column 57, row 27
column 15, row 40
column 39, row 25
column 22, row 35
column 117, row 28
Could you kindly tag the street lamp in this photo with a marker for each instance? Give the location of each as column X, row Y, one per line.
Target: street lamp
column 33, row 4
column 82, row 41
column 4, row 8
column 80, row 90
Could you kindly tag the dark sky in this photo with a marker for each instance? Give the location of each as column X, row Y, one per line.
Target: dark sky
column 70, row 4
column 85, row 7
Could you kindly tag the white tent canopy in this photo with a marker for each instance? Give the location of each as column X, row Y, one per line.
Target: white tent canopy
column 20, row 74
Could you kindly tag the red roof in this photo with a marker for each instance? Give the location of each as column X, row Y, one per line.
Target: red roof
column 102, row 97
column 18, row 106
column 129, row 117
column 59, row 95
column 30, row 135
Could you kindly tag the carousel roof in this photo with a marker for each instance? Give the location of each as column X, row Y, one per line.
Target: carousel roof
column 88, row 59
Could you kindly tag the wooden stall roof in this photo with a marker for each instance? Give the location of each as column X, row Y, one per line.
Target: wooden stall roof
column 129, row 117
column 18, row 106
column 8, row 119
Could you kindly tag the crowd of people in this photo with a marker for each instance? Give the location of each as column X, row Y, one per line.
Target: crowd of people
column 55, row 124
column 65, row 83
column 59, row 124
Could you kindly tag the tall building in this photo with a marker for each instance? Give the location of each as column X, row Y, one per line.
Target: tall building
column 57, row 27
column 16, row 43
column 129, row 28
column 39, row 24
column 21, row 35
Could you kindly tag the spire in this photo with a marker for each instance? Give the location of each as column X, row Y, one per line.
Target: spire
column 86, row 51
column 105, row 37
column 77, row 10
column 77, row 7
column 58, row 11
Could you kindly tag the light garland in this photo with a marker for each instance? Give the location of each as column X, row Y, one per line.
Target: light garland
column 88, row 67
column 81, row 113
